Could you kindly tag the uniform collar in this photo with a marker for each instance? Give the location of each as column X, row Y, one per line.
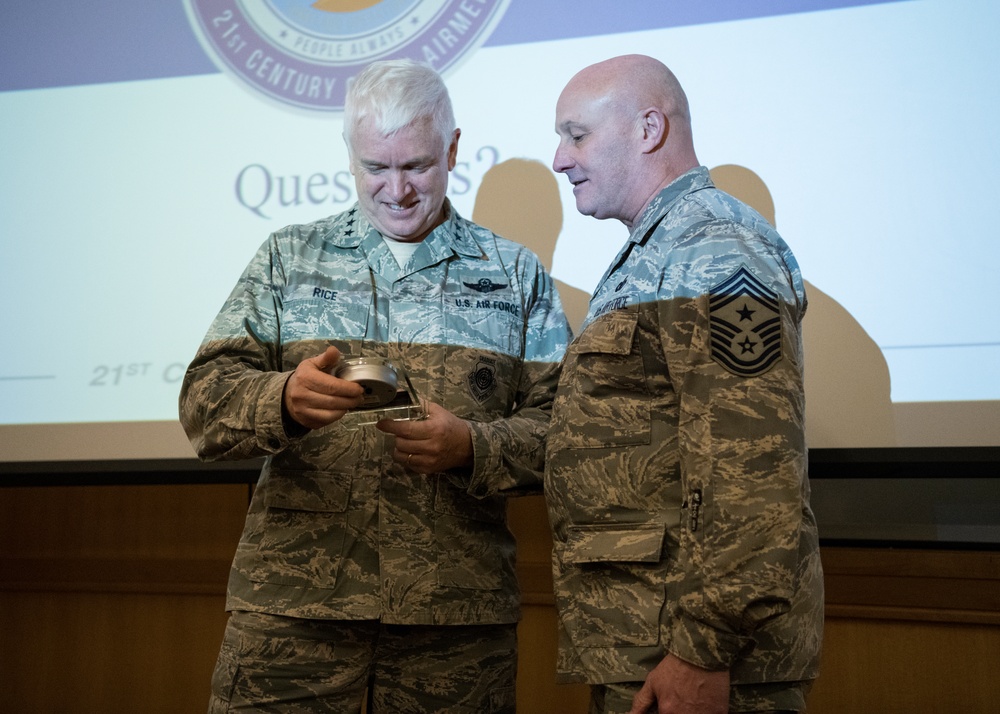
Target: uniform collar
column 694, row 180
column 661, row 204
column 352, row 229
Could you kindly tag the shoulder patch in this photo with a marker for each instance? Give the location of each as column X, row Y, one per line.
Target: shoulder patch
column 745, row 324
column 483, row 379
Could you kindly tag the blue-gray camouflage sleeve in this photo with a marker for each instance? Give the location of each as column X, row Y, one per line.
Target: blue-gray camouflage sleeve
column 742, row 450
column 230, row 399
column 510, row 453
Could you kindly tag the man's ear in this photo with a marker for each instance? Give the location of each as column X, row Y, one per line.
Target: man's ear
column 655, row 128
column 453, row 149
column 350, row 155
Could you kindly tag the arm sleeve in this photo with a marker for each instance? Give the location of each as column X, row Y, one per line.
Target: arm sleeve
column 231, row 395
column 509, row 454
column 742, row 460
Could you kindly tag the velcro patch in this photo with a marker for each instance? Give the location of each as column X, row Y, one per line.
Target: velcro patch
column 745, row 324
column 483, row 379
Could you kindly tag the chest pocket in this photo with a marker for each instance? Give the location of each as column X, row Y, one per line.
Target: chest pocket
column 326, row 314
column 603, row 397
column 485, row 311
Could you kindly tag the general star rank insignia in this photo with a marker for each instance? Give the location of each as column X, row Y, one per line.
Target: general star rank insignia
column 745, row 324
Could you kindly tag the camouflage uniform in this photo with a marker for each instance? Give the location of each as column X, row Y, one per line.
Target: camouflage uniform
column 336, row 529
column 676, row 458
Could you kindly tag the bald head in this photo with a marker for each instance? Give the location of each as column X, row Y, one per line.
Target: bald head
column 625, row 132
column 632, row 83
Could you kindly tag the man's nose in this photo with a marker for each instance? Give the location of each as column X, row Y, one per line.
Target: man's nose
column 561, row 162
column 398, row 184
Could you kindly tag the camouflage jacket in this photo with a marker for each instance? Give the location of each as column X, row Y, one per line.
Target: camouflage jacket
column 676, row 458
column 336, row 529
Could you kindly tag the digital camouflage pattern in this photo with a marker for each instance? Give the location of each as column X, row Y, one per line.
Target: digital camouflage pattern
column 336, row 529
column 676, row 458
column 284, row 665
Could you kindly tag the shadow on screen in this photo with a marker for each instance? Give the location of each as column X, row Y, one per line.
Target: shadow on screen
column 519, row 199
column 848, row 403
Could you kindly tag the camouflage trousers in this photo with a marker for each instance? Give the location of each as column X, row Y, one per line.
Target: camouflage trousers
column 781, row 698
column 276, row 664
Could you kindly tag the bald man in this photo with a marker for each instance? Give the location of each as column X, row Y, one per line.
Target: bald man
column 687, row 571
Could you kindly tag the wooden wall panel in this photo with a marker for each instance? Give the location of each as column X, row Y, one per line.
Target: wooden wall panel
column 907, row 667
column 537, row 692
column 108, row 653
column 112, row 597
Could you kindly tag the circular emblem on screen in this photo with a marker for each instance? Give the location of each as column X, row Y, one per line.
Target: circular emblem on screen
column 302, row 53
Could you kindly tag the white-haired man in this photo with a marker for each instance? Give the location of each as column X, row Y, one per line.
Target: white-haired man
column 378, row 560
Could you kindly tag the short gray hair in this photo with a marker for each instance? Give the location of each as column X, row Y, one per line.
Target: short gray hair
column 395, row 93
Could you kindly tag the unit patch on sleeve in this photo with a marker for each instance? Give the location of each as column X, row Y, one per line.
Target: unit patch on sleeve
column 745, row 324
column 483, row 379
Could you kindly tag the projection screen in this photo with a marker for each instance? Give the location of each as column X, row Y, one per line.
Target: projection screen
column 148, row 149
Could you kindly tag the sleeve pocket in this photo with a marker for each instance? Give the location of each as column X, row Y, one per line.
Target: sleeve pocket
column 611, row 593
column 640, row 543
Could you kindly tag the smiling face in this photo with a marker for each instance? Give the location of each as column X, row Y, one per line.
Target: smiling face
column 402, row 178
column 594, row 139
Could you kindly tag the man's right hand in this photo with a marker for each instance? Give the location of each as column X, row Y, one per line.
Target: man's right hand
column 314, row 398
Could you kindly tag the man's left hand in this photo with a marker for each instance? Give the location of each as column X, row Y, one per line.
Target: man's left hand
column 677, row 687
column 438, row 442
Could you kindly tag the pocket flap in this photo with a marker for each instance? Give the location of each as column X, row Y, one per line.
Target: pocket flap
column 610, row 334
column 636, row 543
column 320, row 492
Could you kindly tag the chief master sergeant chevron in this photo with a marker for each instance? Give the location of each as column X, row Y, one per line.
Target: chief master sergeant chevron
column 378, row 560
column 687, row 571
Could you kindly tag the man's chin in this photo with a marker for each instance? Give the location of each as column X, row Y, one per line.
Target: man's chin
column 586, row 209
column 403, row 231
